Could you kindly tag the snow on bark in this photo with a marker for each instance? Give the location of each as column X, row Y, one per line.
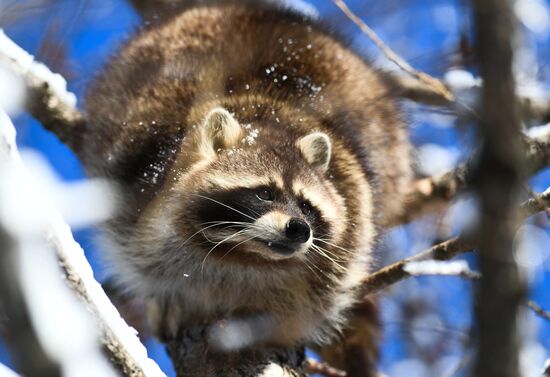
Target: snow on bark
column 23, row 63
column 434, row 267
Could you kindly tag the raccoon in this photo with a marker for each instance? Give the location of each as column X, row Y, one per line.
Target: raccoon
column 256, row 155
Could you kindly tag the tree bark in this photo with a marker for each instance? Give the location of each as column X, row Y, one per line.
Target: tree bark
column 193, row 356
column 497, row 180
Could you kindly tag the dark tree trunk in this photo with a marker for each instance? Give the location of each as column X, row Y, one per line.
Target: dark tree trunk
column 497, row 181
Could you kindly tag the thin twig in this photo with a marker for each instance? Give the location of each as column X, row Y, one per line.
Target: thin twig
column 436, row 85
column 538, row 310
column 317, row 367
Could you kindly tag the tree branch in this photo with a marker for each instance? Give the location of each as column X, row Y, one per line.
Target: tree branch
column 47, row 97
column 423, row 88
column 317, row 367
column 538, row 310
column 532, row 107
column 434, row 84
column 430, row 194
column 30, row 280
column 446, row 250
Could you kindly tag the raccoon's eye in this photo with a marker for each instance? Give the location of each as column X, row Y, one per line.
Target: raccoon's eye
column 306, row 208
column 265, row 194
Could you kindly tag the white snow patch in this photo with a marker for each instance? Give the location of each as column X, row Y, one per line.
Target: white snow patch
column 459, row 79
column 533, row 90
column 434, row 267
column 539, row 131
column 234, row 334
column 531, row 357
column 66, row 330
column 465, row 86
column 273, row 370
column 12, row 95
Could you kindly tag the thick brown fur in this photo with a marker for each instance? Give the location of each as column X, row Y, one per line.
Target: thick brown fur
column 282, row 77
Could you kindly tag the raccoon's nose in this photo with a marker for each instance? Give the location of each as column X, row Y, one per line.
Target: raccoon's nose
column 297, row 230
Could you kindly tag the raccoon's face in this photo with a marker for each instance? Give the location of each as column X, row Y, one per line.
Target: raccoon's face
column 260, row 201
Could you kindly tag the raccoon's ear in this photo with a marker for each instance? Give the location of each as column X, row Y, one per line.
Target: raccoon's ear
column 219, row 131
column 316, row 149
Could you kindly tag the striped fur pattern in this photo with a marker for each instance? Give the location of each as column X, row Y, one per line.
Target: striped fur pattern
column 227, row 128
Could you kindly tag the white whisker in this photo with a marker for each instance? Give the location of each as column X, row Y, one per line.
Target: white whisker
column 333, row 245
column 237, row 245
column 322, row 253
column 225, row 205
column 216, row 245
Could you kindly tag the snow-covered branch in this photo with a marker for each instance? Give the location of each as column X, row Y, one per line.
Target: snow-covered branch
column 47, row 98
column 26, row 213
column 54, row 342
column 446, row 250
column 434, row 267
